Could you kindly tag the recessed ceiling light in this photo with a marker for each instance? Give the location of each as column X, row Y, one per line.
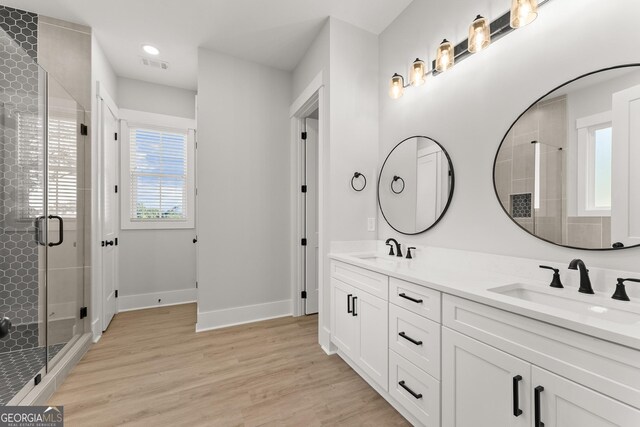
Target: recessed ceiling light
column 151, row 50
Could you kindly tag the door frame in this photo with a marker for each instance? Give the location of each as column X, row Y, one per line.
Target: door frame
column 104, row 100
column 312, row 98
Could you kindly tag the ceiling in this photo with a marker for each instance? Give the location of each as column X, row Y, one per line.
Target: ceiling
column 272, row 32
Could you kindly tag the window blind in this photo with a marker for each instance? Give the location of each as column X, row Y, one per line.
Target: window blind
column 63, row 164
column 158, row 181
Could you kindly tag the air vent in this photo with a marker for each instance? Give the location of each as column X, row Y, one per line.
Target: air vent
column 161, row 65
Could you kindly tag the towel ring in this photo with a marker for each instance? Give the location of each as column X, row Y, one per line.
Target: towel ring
column 356, row 176
column 397, row 178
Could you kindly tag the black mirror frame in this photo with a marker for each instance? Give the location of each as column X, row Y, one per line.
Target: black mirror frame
column 452, row 180
column 495, row 160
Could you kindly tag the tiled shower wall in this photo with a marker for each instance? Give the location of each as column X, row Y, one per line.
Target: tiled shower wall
column 21, row 157
column 543, row 125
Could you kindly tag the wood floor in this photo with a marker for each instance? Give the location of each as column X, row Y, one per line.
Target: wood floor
column 150, row 368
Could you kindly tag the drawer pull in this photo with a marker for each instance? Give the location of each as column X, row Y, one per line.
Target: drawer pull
column 537, row 421
column 349, row 309
column 408, row 338
column 353, row 313
column 405, row 296
column 516, row 396
column 411, row 392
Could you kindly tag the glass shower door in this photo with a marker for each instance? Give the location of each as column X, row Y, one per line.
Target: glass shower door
column 23, row 213
column 66, row 215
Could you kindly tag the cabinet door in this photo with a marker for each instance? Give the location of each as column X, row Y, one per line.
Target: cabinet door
column 564, row 403
column 483, row 386
column 373, row 353
column 344, row 325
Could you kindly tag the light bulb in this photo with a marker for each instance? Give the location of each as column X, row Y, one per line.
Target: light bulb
column 479, row 34
column 396, row 86
column 418, row 72
column 444, row 56
column 523, row 12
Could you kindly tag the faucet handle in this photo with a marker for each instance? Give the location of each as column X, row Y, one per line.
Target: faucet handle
column 391, row 252
column 409, row 252
column 621, row 293
column 555, row 282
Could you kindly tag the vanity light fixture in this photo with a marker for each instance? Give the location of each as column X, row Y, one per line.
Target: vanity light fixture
column 151, row 50
column 418, row 73
column 479, row 34
column 444, row 56
column 523, row 12
column 396, row 86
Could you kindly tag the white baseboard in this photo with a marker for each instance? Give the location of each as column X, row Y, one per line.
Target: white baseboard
column 217, row 319
column 96, row 330
column 142, row 301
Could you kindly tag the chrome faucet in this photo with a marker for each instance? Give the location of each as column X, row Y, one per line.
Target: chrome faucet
column 398, row 247
column 585, row 282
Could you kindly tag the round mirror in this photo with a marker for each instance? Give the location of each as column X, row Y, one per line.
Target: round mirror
column 568, row 169
column 415, row 185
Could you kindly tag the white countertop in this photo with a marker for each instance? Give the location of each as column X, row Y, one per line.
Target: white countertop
column 474, row 284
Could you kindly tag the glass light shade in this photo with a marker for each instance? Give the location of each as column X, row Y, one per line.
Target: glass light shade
column 523, row 12
column 396, row 86
column 479, row 34
column 418, row 73
column 444, row 57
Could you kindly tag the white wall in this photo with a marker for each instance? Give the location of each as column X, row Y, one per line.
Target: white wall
column 347, row 57
column 155, row 98
column 156, row 264
column 101, row 71
column 470, row 108
column 244, row 244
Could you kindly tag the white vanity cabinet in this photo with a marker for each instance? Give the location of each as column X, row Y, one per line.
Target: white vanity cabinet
column 359, row 319
column 442, row 360
column 485, row 386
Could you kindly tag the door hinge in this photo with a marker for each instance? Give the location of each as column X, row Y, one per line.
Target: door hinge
column 304, row 242
column 116, row 135
column 84, row 130
column 304, row 188
column 116, row 188
column 304, row 295
column 116, row 293
column 37, row 379
column 83, row 312
column 304, row 136
column 196, row 285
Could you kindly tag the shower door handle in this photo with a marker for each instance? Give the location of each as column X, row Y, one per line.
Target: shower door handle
column 5, row 327
column 37, row 223
column 61, row 234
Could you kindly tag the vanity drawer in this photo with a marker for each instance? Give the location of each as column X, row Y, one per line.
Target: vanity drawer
column 369, row 281
column 415, row 390
column 415, row 298
column 415, row 338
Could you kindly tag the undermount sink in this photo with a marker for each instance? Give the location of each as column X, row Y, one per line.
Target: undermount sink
column 594, row 306
column 388, row 260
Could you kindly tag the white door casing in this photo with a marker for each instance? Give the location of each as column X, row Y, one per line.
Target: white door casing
column 311, row 213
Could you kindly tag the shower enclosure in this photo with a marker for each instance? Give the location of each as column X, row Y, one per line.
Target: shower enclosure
column 42, row 221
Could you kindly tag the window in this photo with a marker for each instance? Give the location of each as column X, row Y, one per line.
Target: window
column 158, row 175
column 595, row 139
